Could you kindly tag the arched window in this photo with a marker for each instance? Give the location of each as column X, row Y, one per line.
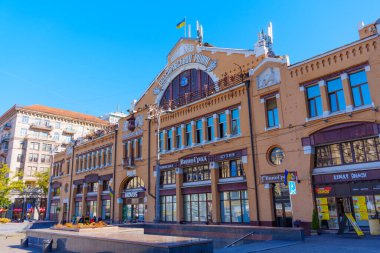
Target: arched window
column 134, row 183
column 189, row 86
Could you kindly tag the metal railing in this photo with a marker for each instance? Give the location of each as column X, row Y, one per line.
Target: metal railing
column 238, row 240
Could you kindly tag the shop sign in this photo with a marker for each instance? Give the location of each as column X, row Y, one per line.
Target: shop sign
column 347, row 177
column 193, row 160
column 131, row 194
column 229, row 155
column 277, row 178
column 168, row 166
column 201, row 59
column 323, row 190
column 292, row 188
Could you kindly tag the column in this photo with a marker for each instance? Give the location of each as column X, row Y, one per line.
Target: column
column 183, row 129
column 204, row 129
column 72, row 203
column 93, row 160
column 347, row 92
column 214, row 170
column 130, row 153
column 324, row 96
column 174, row 139
column 134, row 148
column 228, row 122
column 88, row 162
column 216, row 130
column 99, row 199
column 164, row 143
column 193, row 129
column 178, row 192
column 84, row 199
column 251, row 190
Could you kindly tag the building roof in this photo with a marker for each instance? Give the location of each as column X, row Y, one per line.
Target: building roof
column 65, row 113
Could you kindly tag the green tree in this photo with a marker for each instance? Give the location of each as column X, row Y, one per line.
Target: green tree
column 40, row 190
column 9, row 184
column 43, row 181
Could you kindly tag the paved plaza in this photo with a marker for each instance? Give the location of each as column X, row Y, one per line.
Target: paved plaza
column 10, row 235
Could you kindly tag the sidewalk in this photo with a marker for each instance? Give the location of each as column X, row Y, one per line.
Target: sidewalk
column 327, row 243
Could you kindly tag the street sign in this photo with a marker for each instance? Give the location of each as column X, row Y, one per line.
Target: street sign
column 292, row 187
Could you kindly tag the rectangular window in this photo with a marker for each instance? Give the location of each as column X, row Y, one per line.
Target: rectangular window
column 210, row 128
column 58, row 125
column 46, row 147
column 78, row 208
column 314, row 100
column 139, row 148
column 272, row 112
column 20, row 158
column 235, row 121
column 232, row 168
column 360, row 89
column 23, row 132
column 198, row 131
column 169, row 136
column 178, row 137
column 93, row 187
column 45, row 158
column 91, row 207
column 188, row 135
column 168, row 208
column 222, row 125
column 79, row 188
column 198, row 207
column 161, row 142
column 109, row 156
column 106, row 185
column 167, row 177
column 25, row 119
column 336, row 95
column 106, row 209
column 33, row 157
column 234, row 206
column 196, row 173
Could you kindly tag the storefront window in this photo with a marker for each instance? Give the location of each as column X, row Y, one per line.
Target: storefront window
column 91, row 207
column 106, row 209
column 54, row 211
column 234, row 206
column 232, row 168
column 168, row 208
column 198, row 207
column 358, row 151
column 78, row 208
column 167, row 177
column 196, row 173
column 133, row 212
column 327, row 212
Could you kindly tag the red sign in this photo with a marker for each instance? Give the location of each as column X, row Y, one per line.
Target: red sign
column 323, row 190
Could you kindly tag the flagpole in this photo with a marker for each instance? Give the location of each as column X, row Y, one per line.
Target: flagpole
column 185, row 26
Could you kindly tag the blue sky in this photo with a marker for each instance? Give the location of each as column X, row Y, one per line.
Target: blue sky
column 91, row 56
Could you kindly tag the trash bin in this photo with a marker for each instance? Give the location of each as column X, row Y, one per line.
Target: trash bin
column 374, row 226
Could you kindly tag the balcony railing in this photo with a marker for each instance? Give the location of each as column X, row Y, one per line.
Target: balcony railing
column 42, row 127
column 69, row 131
column 7, row 126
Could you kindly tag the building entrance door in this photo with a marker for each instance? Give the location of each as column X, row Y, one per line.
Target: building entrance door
column 133, row 212
column 282, row 205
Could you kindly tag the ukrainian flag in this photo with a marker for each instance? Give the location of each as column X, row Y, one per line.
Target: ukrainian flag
column 181, row 24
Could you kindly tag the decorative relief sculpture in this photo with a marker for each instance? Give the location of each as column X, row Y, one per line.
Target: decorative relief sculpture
column 268, row 77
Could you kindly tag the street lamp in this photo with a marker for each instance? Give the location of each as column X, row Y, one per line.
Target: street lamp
column 155, row 112
column 52, row 152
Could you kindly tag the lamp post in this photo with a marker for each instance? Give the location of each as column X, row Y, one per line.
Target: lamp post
column 155, row 112
column 52, row 152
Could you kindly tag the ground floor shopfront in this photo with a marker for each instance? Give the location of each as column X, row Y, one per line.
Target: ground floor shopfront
column 354, row 192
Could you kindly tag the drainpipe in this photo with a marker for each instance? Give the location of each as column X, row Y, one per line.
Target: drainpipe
column 247, row 84
column 113, row 176
column 71, row 179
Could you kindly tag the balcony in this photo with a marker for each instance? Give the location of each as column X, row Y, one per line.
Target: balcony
column 7, row 126
column 5, row 139
column 41, row 127
column 128, row 163
column 69, row 131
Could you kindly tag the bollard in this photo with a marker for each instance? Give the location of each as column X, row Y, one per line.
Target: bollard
column 47, row 246
column 24, row 242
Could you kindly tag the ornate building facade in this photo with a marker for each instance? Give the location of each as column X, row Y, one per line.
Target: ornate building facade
column 244, row 137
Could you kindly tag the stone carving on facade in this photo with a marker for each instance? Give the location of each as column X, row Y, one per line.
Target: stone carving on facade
column 270, row 76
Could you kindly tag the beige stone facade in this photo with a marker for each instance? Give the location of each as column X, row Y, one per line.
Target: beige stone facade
column 231, row 124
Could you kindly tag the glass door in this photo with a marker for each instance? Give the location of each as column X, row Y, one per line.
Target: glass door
column 283, row 206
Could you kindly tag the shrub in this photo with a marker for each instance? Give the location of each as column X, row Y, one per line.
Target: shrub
column 315, row 220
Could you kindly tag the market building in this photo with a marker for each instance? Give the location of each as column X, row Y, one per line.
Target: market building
column 232, row 136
